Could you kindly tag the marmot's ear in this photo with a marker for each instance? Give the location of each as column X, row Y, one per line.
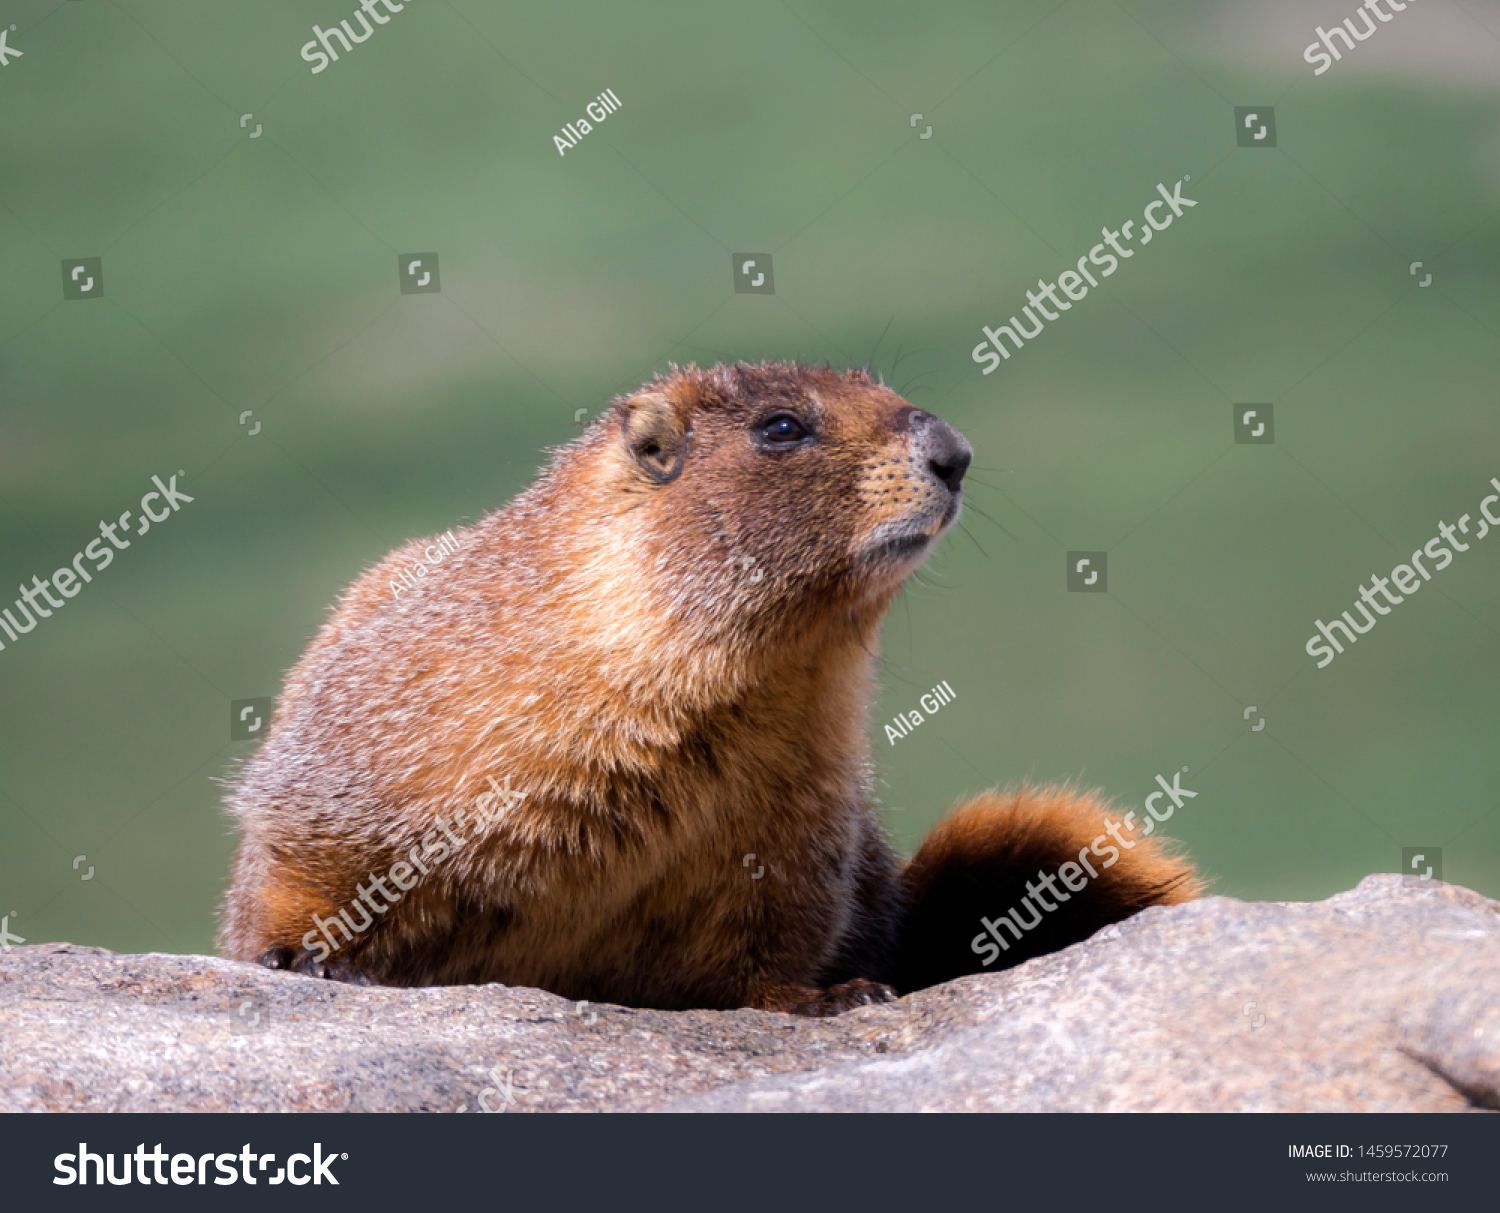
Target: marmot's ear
column 656, row 437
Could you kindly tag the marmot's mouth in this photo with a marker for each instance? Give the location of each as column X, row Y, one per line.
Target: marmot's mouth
column 909, row 543
column 900, row 546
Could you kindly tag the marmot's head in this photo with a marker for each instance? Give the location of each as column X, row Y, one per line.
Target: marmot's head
column 770, row 494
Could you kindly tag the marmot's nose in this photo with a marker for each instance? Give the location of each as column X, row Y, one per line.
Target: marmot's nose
column 947, row 452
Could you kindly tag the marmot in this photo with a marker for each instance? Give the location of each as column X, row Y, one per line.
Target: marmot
column 615, row 744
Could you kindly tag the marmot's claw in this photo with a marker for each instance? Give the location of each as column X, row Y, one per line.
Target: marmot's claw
column 833, row 1001
column 859, row 993
column 276, row 958
column 302, row 961
column 346, row 971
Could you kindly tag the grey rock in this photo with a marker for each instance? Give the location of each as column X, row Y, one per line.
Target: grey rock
column 1386, row 998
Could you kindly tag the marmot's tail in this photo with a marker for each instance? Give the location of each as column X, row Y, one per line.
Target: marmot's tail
column 1010, row 876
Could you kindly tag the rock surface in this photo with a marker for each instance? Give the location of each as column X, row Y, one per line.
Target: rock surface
column 1381, row 999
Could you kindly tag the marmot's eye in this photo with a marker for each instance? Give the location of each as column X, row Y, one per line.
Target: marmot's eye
column 783, row 428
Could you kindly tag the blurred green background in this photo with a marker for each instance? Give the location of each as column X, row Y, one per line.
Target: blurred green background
column 260, row 274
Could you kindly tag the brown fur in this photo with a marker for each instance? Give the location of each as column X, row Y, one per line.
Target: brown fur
column 996, row 843
column 667, row 645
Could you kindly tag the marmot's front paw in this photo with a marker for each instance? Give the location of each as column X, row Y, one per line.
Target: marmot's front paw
column 304, row 962
column 851, row 994
column 835, row 1000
